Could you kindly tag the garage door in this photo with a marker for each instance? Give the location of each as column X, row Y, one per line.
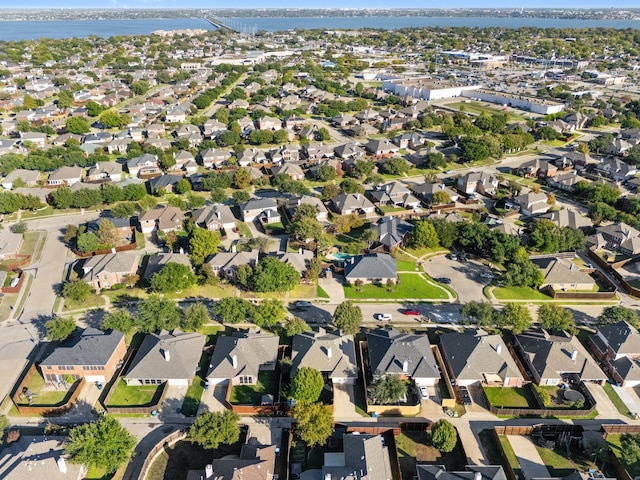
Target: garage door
column 95, row 378
column 179, row 382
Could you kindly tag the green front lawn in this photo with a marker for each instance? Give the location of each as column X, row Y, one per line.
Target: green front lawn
column 616, row 400
column 415, row 448
column 406, row 266
column 410, row 286
column 252, row 394
column 519, row 293
column 30, row 242
column 509, row 397
column 304, row 291
column 322, row 293
column 133, row 396
column 94, row 301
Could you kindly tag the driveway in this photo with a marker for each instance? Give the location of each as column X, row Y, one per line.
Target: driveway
column 213, row 400
column 528, row 457
column 605, row 408
column 630, row 397
column 344, row 401
column 465, row 277
column 334, row 289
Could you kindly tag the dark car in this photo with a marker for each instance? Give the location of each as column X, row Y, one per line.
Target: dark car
column 444, row 280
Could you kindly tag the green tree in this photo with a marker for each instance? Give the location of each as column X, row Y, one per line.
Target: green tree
column 77, row 125
column 241, row 197
column 214, row 428
column 516, row 316
column 77, row 290
column 424, row 235
column 104, row 444
column 555, row 317
column 348, row 317
column 111, row 119
column 65, row 99
column 183, row 186
column 242, row 178
column 111, row 193
column 315, row 422
column 395, row 166
column 107, row 233
column 195, row 316
column 326, row 173
column 479, row 313
column 630, row 447
column 119, row 319
column 88, row 242
column 123, row 210
column 444, row 436
column 306, row 229
column 59, row 328
column 441, row 198
column 269, row 312
column 617, row 313
column 233, row 309
column 295, row 325
column 157, row 313
column 387, row 389
column 271, row 275
column 172, row 278
column 202, row 244
column 307, row 385
column 61, row 198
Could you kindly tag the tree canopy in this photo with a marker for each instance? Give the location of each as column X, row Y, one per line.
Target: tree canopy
column 214, row 428
column 315, row 422
column 348, row 317
column 60, row 328
column 387, row 389
column 444, row 436
column 172, row 278
column 307, row 385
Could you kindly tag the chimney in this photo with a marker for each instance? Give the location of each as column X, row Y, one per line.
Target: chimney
column 233, row 249
column 166, row 354
column 234, row 361
column 405, row 366
column 574, row 354
column 477, row 476
column 218, row 214
column 208, row 471
column 328, row 352
column 62, row 465
column 498, row 349
column 300, row 251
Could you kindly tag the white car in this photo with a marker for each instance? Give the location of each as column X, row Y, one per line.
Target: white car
column 384, row 317
column 423, row 393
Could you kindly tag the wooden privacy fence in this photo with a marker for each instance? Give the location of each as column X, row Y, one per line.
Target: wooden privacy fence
column 159, row 448
column 620, row 428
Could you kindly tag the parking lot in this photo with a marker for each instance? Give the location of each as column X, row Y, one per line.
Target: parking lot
column 465, row 277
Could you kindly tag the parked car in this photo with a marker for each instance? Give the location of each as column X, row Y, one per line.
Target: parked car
column 486, row 275
column 444, row 280
column 384, row 317
column 423, row 393
column 409, row 311
column 302, row 304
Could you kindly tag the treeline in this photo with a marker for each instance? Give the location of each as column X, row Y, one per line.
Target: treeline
column 210, row 95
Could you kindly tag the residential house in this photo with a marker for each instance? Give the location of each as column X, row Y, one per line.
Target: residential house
column 256, row 462
column 426, row 191
column 212, row 128
column 375, row 268
column 381, row 148
column 105, row 271
column 395, row 194
column 269, row 123
column 412, row 140
column 472, row 472
column 157, row 262
column 93, row 355
column 118, row 145
column 215, row 217
column 144, row 165
column 225, row 264
column 477, row 358
column 299, row 260
column 348, row 203
column 618, row 347
column 161, row 143
column 290, row 169
column 392, row 232
column 554, row 359
column 318, row 151
column 165, row 183
column 65, row 176
column 10, row 244
column 166, row 219
column 170, row 357
column 615, row 169
column 569, row 218
column 562, row 274
column 343, row 120
column 264, row 208
column 294, row 202
column 217, row 157
column 239, row 358
column 251, row 155
column 104, row 171
column 531, row 203
column 176, row 115
column 365, row 457
column 61, row 140
column 314, row 170
column 477, row 182
column 617, row 236
column 407, row 355
column 21, row 176
column 537, row 168
column 349, row 150
column 98, row 138
column 185, row 161
column 332, row 353
column 566, row 181
column 37, row 138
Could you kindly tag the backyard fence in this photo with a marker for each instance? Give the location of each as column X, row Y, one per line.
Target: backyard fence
column 159, row 448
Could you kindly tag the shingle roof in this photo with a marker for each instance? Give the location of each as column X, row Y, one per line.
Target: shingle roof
column 390, row 349
column 112, row 263
column 351, row 201
column 92, row 347
column 438, row 472
column 622, row 338
column 256, row 462
column 327, row 352
column 158, row 260
column 251, row 351
column 562, row 270
column 210, row 214
column 184, row 351
column 376, row 265
column 627, row 367
column 391, row 231
column 363, row 454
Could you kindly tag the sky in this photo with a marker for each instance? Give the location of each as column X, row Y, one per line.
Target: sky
column 322, row 4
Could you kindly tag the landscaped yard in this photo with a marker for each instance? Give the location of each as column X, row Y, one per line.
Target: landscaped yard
column 404, row 266
column 614, row 442
column 30, row 242
column 415, row 448
column 304, row 291
column 558, row 465
column 410, row 286
column 252, row 394
column 50, row 396
column 509, row 397
column 133, row 396
column 93, row 301
column 519, row 293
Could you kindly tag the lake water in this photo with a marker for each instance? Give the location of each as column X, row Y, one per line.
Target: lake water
column 106, row 28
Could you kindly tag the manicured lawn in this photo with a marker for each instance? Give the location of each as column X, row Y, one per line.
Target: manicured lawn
column 48, row 397
column 614, row 442
column 95, row 473
column 478, row 108
column 194, row 392
column 508, row 397
column 30, row 242
column 322, row 293
column 557, row 464
column 406, row 266
column 420, row 252
column 390, row 208
column 304, row 291
column 519, row 293
column 415, row 448
column 252, row 394
column 212, row 332
column 221, row 290
column 510, row 455
column 410, row 286
column 130, row 396
column 94, row 301
column 616, row 400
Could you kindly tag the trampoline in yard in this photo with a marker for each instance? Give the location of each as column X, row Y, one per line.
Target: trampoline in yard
column 573, row 396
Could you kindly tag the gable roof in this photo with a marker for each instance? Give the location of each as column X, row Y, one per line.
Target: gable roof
column 562, row 270
column 390, row 350
column 363, row 454
column 621, row 337
column 473, row 355
column 91, row 347
column 351, row 201
column 213, row 214
column 391, row 231
column 438, row 472
column 184, row 351
column 375, row 265
column 256, row 462
column 157, row 261
column 251, row 350
column 325, row 351
column 111, row 262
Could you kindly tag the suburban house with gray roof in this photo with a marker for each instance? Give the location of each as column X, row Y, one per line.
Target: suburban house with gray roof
column 616, row 236
column 562, row 274
column 329, row 352
column 170, row 357
column 392, row 232
column 256, row 462
column 166, row 219
column 348, row 203
column 618, row 347
column 477, row 182
column 263, row 208
column 65, row 176
column 569, row 218
column 144, row 165
column 104, row 171
column 294, row 202
column 531, row 203
column 225, row 264
column 214, row 217
column 157, row 261
column 479, row 359
column 473, row 472
column 364, row 457
column 553, row 359
column 105, row 271
column 395, row 353
column 426, row 191
column 28, row 177
column 240, row 357
column 371, row 268
column 93, row 355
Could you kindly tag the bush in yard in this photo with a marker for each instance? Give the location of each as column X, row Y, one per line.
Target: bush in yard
column 307, row 385
column 444, row 436
column 387, row 389
column 214, row 428
column 77, row 290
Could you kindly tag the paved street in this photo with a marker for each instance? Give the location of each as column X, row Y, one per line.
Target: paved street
column 465, row 277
